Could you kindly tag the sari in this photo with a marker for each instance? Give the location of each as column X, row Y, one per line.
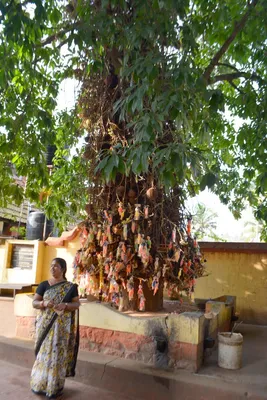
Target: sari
column 57, row 343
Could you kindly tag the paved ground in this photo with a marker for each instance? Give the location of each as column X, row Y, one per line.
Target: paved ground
column 254, row 360
column 211, row 382
column 14, row 385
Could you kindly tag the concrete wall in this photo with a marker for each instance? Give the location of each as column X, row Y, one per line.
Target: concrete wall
column 105, row 330
column 240, row 270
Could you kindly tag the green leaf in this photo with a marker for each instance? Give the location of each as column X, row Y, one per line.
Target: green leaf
column 208, row 180
column 55, row 16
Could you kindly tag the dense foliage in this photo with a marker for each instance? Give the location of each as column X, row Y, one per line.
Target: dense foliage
column 190, row 96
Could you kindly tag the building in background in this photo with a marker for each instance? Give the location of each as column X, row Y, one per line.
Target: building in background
column 13, row 218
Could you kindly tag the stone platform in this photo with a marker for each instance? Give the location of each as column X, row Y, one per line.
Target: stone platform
column 163, row 340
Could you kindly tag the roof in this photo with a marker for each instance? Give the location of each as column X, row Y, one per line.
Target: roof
column 15, row 213
column 65, row 236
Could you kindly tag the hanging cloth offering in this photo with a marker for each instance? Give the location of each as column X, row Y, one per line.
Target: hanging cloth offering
column 177, row 253
column 174, row 235
column 188, row 227
column 83, row 236
column 170, row 250
column 125, row 231
column 142, row 303
column 105, row 248
column 164, row 270
column 107, row 267
column 142, row 300
column 121, row 211
column 156, row 264
column 130, row 289
column 192, row 293
column 146, row 212
column 155, row 285
column 128, row 269
column 91, row 236
column 137, row 212
column 118, row 252
column 133, row 227
column 109, row 234
column 99, row 233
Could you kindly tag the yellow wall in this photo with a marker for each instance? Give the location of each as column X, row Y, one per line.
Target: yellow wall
column 2, row 258
column 239, row 274
column 67, row 252
column 235, row 269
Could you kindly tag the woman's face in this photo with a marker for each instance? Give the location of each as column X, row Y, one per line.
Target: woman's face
column 56, row 270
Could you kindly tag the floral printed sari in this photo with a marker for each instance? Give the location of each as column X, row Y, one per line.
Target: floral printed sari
column 57, row 342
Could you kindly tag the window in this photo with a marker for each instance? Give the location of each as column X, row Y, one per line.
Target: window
column 22, row 256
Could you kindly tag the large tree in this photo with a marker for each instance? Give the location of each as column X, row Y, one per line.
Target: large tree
column 172, row 100
column 184, row 80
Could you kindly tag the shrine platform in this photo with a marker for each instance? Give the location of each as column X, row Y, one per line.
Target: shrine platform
column 161, row 339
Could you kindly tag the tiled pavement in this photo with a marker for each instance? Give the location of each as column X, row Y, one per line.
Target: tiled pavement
column 14, row 385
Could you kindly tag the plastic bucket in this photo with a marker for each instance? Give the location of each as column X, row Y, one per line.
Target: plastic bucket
column 230, row 350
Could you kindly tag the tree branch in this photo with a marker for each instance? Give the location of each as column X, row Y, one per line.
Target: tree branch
column 236, row 87
column 236, row 75
column 238, row 27
column 62, row 43
column 59, row 34
column 228, row 66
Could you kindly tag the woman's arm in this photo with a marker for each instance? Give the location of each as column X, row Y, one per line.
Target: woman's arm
column 40, row 304
column 72, row 306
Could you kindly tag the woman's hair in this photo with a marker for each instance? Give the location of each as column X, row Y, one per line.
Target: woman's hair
column 63, row 265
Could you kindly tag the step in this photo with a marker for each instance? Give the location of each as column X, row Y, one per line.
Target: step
column 135, row 379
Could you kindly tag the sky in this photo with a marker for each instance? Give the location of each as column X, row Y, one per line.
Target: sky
column 68, row 93
column 228, row 227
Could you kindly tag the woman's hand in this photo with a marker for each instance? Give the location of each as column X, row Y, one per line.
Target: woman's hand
column 60, row 307
column 48, row 303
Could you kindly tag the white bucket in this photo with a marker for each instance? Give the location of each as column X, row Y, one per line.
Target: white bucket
column 230, row 350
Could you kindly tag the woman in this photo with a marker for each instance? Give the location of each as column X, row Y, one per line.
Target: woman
column 57, row 332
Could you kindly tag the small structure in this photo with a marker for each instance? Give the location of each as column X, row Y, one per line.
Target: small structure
column 21, row 269
column 13, row 216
